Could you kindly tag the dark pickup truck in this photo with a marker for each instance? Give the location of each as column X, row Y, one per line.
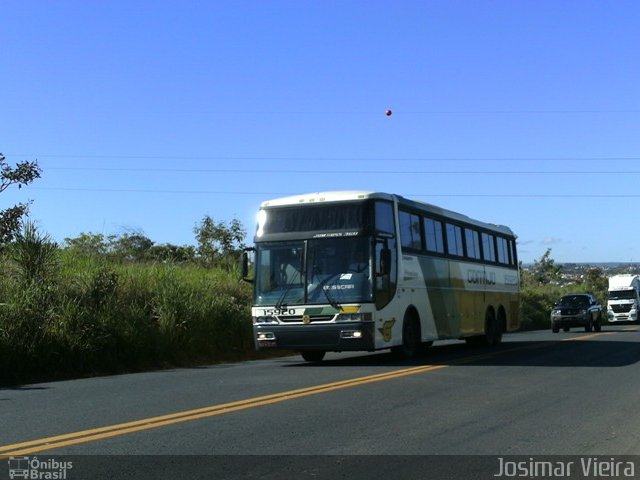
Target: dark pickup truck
column 577, row 310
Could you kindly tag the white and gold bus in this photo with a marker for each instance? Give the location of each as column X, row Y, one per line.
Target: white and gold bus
column 363, row 271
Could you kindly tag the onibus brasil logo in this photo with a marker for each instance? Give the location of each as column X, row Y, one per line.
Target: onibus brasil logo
column 36, row 469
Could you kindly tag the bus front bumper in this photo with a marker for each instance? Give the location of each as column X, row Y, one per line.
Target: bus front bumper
column 336, row 337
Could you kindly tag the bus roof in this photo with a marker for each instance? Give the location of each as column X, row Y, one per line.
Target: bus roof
column 347, row 195
column 321, row 197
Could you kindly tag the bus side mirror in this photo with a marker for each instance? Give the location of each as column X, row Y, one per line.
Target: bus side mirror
column 247, row 255
column 385, row 261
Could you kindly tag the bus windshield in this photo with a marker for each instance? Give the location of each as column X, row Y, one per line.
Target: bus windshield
column 330, row 271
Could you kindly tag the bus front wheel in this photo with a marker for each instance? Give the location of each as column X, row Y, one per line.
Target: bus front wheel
column 410, row 338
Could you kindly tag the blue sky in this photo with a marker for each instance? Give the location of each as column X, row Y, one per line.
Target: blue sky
column 148, row 115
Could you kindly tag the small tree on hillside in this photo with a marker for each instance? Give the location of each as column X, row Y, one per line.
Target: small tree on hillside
column 172, row 253
column 545, row 270
column 218, row 239
column 132, row 246
column 22, row 174
column 93, row 244
column 597, row 282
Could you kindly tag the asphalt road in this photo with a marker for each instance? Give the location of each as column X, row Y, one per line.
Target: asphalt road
column 537, row 394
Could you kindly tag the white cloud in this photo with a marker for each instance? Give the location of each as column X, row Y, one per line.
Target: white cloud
column 552, row 241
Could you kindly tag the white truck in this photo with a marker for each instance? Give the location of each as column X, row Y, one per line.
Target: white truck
column 624, row 298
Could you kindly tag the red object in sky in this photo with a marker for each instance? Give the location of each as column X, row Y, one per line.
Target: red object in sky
column 388, row 113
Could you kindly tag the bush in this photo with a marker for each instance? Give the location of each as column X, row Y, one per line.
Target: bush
column 68, row 315
column 535, row 306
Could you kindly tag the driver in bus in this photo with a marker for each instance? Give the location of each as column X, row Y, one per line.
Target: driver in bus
column 360, row 263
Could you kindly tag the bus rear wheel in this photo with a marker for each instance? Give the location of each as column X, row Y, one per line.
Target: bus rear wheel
column 492, row 329
column 313, row 355
column 492, row 332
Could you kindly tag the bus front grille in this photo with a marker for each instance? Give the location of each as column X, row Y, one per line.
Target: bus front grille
column 311, row 318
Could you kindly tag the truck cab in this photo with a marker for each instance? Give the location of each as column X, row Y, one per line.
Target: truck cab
column 623, row 305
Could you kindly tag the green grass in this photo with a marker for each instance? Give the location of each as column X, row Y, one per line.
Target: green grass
column 89, row 316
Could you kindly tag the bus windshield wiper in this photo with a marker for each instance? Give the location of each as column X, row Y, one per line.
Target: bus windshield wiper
column 325, row 289
column 332, row 301
column 280, row 303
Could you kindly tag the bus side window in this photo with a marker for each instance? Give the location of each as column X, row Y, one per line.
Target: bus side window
column 433, row 230
column 410, row 230
column 385, row 276
column 503, row 253
column 473, row 243
column 384, row 218
column 454, row 240
column 385, row 261
column 488, row 248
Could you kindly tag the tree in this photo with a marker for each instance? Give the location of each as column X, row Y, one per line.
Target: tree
column 132, row 246
column 22, row 174
column 597, row 282
column 216, row 240
column 90, row 243
column 545, row 270
column 172, row 253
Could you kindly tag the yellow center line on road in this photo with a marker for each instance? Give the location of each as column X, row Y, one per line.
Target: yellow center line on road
column 84, row 436
column 100, row 433
column 589, row 336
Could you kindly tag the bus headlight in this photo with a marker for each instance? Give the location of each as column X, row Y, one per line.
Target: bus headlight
column 265, row 336
column 354, row 317
column 350, row 334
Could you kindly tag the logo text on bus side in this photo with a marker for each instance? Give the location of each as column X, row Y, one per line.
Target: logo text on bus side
column 481, row 277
